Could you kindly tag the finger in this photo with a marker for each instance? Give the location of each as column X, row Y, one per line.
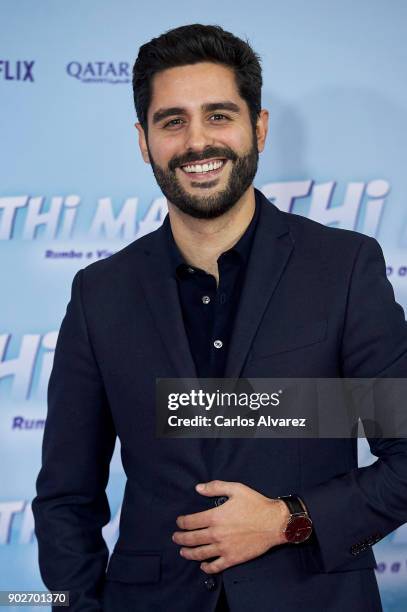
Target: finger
column 198, row 520
column 192, row 538
column 218, row 565
column 200, row 552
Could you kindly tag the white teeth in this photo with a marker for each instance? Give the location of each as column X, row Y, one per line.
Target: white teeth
column 203, row 167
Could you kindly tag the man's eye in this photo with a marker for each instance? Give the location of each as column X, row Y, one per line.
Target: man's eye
column 172, row 122
column 219, row 116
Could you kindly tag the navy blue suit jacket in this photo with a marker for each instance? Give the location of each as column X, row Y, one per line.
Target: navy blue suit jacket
column 316, row 303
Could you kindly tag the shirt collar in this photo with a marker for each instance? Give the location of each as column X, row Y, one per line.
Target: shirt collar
column 241, row 248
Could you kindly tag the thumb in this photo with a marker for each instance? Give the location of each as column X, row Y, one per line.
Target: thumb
column 215, row 487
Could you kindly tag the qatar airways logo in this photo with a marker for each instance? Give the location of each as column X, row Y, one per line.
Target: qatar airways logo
column 112, row 73
column 357, row 206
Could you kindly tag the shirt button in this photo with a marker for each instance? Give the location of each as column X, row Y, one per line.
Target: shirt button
column 191, row 270
column 206, row 299
column 218, row 344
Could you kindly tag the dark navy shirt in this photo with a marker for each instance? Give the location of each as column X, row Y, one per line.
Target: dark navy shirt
column 209, row 311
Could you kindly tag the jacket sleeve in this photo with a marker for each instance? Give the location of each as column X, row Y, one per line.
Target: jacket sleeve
column 71, row 505
column 354, row 510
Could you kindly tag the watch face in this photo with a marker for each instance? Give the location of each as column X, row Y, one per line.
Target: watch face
column 299, row 528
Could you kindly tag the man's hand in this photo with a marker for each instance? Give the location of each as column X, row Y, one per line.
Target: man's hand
column 244, row 527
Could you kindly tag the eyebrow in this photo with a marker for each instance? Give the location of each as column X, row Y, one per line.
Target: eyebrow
column 162, row 113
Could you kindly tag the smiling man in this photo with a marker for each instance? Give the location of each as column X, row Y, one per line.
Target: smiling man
column 203, row 146
column 230, row 287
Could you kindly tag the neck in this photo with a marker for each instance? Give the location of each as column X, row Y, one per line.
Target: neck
column 202, row 241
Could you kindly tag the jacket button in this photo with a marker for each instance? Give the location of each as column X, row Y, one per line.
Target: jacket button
column 221, row 500
column 210, row 583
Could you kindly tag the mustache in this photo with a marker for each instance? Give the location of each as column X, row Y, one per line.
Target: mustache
column 194, row 156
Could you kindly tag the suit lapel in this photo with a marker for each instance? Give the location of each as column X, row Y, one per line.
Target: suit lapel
column 271, row 249
column 161, row 291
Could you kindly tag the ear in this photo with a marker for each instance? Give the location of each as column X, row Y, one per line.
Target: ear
column 142, row 142
column 262, row 129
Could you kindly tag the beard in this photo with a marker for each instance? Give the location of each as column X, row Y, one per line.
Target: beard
column 244, row 168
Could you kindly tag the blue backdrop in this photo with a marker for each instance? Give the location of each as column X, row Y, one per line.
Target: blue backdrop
column 74, row 187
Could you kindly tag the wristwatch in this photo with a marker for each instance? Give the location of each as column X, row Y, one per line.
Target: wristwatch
column 299, row 526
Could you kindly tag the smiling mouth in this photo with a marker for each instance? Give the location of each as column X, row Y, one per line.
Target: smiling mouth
column 208, row 168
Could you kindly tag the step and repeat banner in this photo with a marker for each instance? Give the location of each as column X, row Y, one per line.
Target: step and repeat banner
column 74, row 188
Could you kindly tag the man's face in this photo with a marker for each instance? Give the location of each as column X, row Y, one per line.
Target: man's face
column 201, row 143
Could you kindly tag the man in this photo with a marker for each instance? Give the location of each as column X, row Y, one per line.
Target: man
column 229, row 286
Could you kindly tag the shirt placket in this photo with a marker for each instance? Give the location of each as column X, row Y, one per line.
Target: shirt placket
column 220, row 338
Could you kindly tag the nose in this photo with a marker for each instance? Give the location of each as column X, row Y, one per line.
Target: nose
column 197, row 136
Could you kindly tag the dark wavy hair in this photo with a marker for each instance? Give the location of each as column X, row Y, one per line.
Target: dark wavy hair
column 191, row 44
